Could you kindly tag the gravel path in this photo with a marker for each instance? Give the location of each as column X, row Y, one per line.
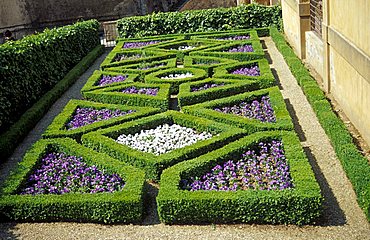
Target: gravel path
column 343, row 219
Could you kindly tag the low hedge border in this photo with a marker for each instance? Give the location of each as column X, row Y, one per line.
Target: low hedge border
column 206, row 63
column 133, row 68
column 213, row 36
column 121, row 41
column 124, row 206
column 354, row 164
column 231, row 88
column 11, row 138
column 104, row 141
column 155, row 77
column 258, row 52
column 283, row 119
column 266, row 78
column 114, row 96
column 57, row 129
column 299, row 205
column 92, row 82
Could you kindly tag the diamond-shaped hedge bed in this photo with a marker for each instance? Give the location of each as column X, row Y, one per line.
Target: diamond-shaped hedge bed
column 211, row 88
column 70, row 193
column 252, row 70
column 79, row 117
column 102, row 79
column 259, row 110
column 290, row 193
column 133, row 94
column 143, row 155
column 176, row 76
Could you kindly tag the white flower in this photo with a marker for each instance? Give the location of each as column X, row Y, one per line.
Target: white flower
column 178, row 76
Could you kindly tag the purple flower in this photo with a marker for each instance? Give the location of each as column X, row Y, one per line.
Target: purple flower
column 121, row 57
column 265, row 168
column 260, row 110
column 105, row 80
column 146, row 67
column 139, row 44
column 235, row 38
column 147, row 91
column 86, row 116
column 248, row 71
column 206, row 86
column 60, row 174
column 244, row 48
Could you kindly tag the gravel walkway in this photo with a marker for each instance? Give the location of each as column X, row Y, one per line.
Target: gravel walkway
column 343, row 219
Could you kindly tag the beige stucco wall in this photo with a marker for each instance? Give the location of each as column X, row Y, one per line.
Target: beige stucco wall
column 315, row 52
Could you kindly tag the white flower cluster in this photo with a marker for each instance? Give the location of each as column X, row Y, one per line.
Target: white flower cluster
column 163, row 139
column 178, row 76
column 183, row 48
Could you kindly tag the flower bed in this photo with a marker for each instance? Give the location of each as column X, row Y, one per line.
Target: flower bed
column 257, row 109
column 235, row 38
column 176, row 77
column 270, row 115
column 205, row 90
column 238, row 35
column 102, row 79
column 153, row 146
column 151, row 95
column 128, row 45
column 79, row 117
column 252, row 70
column 242, row 48
column 206, row 63
column 54, row 178
column 296, row 200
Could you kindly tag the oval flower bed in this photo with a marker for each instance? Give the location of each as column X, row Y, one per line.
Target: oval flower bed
column 265, row 169
column 86, row 116
column 163, row 139
column 60, row 173
column 257, row 109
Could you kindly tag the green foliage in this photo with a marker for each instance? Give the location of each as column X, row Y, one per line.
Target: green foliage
column 122, row 206
column 354, row 164
column 104, row 141
column 115, row 96
column 216, row 35
column 33, row 65
column 266, row 78
column 155, row 77
column 300, row 205
column 283, row 119
column 58, row 127
column 12, row 137
column 245, row 16
column 206, row 63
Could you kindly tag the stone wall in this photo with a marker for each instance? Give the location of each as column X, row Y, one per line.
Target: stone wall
column 205, row 4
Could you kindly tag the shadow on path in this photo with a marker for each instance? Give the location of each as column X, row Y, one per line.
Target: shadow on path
column 297, row 127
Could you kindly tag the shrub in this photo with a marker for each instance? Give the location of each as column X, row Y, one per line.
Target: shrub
column 33, row 65
column 120, row 206
column 301, row 204
column 104, row 141
column 246, row 16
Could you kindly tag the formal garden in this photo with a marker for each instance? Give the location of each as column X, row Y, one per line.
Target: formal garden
column 186, row 102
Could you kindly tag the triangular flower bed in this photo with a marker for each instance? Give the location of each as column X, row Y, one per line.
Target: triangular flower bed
column 133, row 94
column 241, row 51
column 256, row 70
column 253, row 111
column 79, row 117
column 29, row 196
column 230, row 36
column 102, row 79
column 212, row 88
column 206, row 63
column 176, row 76
column 243, row 183
column 137, row 142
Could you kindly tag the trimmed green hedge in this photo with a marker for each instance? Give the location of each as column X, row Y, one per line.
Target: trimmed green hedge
column 231, row 88
column 245, row 16
column 114, row 96
column 300, row 205
column 121, row 206
column 93, row 81
column 58, row 127
column 104, row 141
column 11, row 138
column 206, row 63
column 266, row 78
column 215, row 36
column 283, row 119
column 221, row 51
column 33, row 65
column 155, row 77
column 354, row 164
